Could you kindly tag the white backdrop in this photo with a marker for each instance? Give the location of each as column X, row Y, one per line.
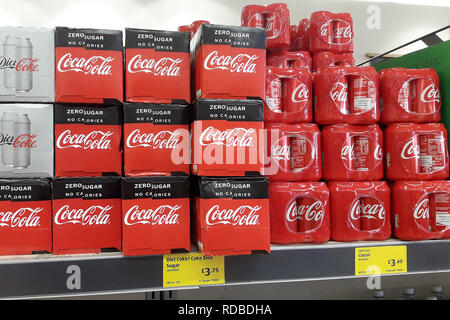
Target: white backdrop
column 378, row 26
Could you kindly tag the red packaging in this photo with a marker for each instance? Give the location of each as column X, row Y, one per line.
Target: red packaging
column 232, row 215
column 288, row 95
column 346, row 95
column 233, row 69
column 421, row 210
column 410, row 95
column 416, row 151
column 329, row 59
column 89, row 65
column 274, row 18
column 299, row 59
column 360, row 211
column 352, row 153
column 299, row 212
column 193, row 27
column 86, row 214
column 88, row 140
column 301, row 41
column 158, row 66
column 156, row 139
column 155, row 215
column 25, row 216
column 331, row 32
column 294, row 152
column 227, row 137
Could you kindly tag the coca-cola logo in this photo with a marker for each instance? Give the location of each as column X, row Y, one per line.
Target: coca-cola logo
column 163, row 67
column 343, row 31
column 300, row 94
column 281, row 152
column 243, row 215
column 93, row 140
column 96, row 65
column 313, row 212
column 378, row 153
column 21, row 141
column 430, row 94
column 237, row 137
column 348, row 152
column 94, row 215
column 368, row 211
column 422, row 210
column 339, row 92
column 24, row 65
column 164, row 214
column 161, row 140
column 410, row 150
column 21, row 218
column 242, row 63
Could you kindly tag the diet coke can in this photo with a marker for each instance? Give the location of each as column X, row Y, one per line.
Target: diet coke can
column 22, row 152
column 24, row 74
column 7, row 130
column 9, row 54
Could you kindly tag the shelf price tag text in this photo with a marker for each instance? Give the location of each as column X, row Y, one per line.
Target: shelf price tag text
column 192, row 269
column 386, row 259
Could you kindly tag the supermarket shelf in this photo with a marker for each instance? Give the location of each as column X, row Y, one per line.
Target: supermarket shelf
column 47, row 275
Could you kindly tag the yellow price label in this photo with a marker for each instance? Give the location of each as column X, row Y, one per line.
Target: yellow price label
column 380, row 260
column 192, row 269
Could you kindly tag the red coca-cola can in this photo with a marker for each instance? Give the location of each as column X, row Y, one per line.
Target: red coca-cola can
column 293, row 152
column 301, row 40
column 410, row 95
column 299, row 59
column 274, row 18
column 299, row 212
column 360, row 211
column 346, row 95
column 352, row 153
column 330, row 59
column 416, row 151
column 331, row 32
column 421, row 210
column 288, row 95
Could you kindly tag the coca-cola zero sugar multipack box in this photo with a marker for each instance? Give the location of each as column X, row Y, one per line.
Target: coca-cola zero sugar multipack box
column 89, row 65
column 155, row 215
column 27, row 69
column 299, row 212
column 157, row 66
column 25, row 216
column 26, row 140
column 228, row 62
column 231, row 215
column 86, row 214
column 88, row 140
column 226, row 137
column 156, row 139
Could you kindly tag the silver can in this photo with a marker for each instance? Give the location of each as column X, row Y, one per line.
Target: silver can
column 9, row 56
column 24, row 56
column 7, row 137
column 22, row 131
